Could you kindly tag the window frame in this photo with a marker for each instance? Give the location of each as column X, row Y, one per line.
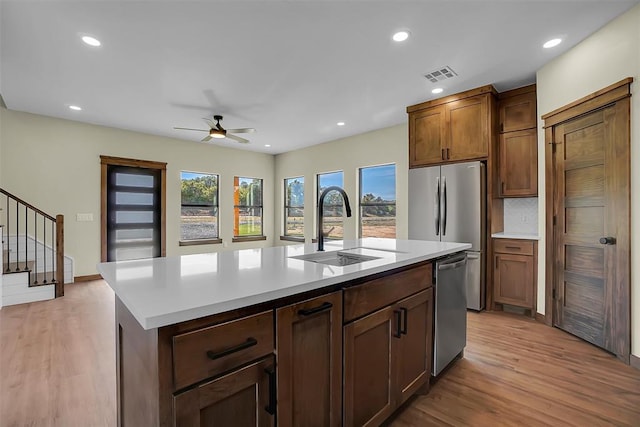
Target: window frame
column 361, row 205
column 252, row 237
column 206, row 240
column 285, row 234
column 318, row 192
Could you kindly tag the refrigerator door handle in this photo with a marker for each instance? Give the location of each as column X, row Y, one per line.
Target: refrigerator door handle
column 473, row 256
column 444, row 206
column 436, row 205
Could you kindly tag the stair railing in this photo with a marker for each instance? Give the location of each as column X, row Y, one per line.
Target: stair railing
column 46, row 240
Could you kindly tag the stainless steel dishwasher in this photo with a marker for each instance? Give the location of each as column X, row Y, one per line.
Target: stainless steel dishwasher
column 450, row 326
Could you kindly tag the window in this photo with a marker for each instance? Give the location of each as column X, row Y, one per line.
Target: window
column 294, row 207
column 199, row 210
column 378, row 201
column 247, row 212
column 333, row 221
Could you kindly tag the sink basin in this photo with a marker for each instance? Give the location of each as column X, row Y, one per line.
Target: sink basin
column 335, row 258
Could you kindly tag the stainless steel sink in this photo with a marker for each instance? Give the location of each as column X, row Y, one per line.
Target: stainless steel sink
column 335, row 258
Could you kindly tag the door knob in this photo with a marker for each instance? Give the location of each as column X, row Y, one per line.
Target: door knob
column 607, row 240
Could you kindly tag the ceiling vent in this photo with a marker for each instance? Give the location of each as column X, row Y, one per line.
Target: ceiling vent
column 442, row 73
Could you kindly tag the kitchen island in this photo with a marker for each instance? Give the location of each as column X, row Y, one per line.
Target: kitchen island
column 251, row 336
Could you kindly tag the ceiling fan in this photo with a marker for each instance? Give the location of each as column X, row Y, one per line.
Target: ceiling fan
column 217, row 131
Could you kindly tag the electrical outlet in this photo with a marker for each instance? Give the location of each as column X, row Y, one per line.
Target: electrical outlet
column 84, row 217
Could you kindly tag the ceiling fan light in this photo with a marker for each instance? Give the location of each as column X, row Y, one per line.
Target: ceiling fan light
column 217, row 134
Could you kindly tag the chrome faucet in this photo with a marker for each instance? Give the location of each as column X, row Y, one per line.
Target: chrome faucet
column 321, row 211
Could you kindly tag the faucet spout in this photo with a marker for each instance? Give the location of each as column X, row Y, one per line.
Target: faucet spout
column 321, row 211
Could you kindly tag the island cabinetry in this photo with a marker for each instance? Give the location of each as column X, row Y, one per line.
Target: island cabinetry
column 309, row 357
column 388, row 352
column 245, row 397
column 451, row 129
column 514, row 273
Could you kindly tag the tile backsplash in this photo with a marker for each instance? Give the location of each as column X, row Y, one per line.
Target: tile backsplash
column 521, row 215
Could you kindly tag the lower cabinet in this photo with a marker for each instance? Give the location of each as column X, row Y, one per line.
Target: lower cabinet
column 387, row 357
column 245, row 397
column 514, row 273
column 309, row 356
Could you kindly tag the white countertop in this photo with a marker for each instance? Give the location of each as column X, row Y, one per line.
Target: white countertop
column 510, row 235
column 163, row 291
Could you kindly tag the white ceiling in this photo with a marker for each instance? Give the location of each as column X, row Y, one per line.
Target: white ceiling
column 291, row 69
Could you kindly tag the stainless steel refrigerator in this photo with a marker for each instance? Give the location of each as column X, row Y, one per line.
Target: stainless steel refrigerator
column 448, row 203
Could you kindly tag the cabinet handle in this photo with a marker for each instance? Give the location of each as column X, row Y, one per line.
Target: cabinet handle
column 250, row 342
column 514, row 248
column 405, row 321
column 501, row 127
column 502, row 187
column 442, row 155
column 447, row 154
column 497, row 262
column 309, row 311
column 397, row 314
column 271, row 407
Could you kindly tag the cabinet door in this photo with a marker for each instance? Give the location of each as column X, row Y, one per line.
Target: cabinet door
column 369, row 365
column 518, row 112
column 468, row 129
column 513, row 280
column 519, row 163
column 415, row 348
column 309, row 356
column 427, row 136
column 241, row 398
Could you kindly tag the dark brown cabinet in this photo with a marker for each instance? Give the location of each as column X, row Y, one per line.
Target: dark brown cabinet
column 387, row 358
column 451, row 129
column 518, row 145
column 243, row 398
column 309, row 356
column 518, row 163
column 514, row 273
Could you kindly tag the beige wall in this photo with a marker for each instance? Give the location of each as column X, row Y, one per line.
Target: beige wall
column 384, row 146
column 606, row 57
column 55, row 164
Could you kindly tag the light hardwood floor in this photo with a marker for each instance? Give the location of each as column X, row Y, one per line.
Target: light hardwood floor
column 58, row 369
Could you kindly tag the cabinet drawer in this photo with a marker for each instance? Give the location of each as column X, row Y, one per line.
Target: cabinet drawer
column 210, row 351
column 375, row 294
column 509, row 246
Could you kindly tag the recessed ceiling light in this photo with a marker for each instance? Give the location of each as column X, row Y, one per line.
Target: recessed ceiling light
column 401, row 36
column 437, row 90
column 75, row 108
column 340, row 123
column 552, row 43
column 267, row 145
column 91, row 41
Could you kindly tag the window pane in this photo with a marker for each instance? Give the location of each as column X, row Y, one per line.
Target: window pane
column 333, row 221
column 378, row 201
column 328, row 179
column 294, row 222
column 378, row 221
column 199, row 211
column 248, row 191
column 142, row 199
column 295, row 192
column 249, row 221
column 132, row 217
column 134, row 180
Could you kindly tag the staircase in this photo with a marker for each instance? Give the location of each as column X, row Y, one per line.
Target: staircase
column 34, row 267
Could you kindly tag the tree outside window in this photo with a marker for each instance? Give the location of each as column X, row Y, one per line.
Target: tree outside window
column 247, row 215
column 378, row 201
column 199, row 206
column 294, row 207
column 333, row 220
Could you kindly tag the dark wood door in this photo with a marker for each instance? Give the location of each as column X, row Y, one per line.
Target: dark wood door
column 513, row 279
column 369, row 366
column 415, row 348
column 519, row 163
column 592, row 227
column 240, row 399
column 309, row 348
column 427, row 136
column 468, row 128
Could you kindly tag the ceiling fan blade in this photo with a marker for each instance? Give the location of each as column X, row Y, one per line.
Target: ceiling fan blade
column 206, row 138
column 242, row 130
column 199, row 130
column 210, row 122
column 237, row 138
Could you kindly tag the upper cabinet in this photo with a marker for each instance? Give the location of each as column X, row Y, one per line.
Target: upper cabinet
column 451, row 129
column 518, row 146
